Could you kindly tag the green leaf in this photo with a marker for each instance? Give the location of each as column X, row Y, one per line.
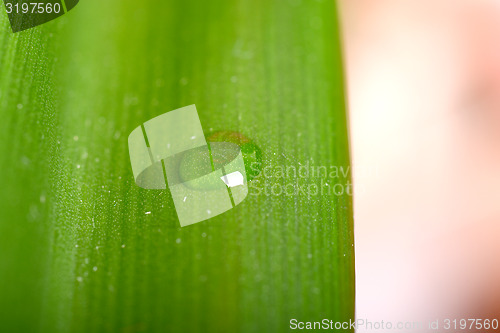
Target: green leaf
column 83, row 249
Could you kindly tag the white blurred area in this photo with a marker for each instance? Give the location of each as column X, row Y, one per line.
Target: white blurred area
column 424, row 94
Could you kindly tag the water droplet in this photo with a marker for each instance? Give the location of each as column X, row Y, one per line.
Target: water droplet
column 25, row 160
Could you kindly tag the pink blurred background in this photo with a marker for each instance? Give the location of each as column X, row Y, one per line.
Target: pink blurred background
column 424, row 93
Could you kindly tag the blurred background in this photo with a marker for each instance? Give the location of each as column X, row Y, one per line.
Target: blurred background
column 424, row 94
